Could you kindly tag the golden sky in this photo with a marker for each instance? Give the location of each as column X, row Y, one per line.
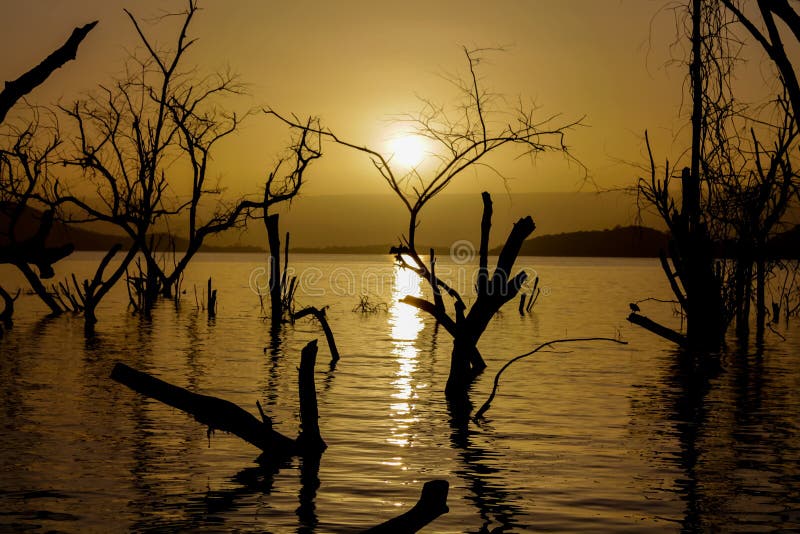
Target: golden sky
column 358, row 63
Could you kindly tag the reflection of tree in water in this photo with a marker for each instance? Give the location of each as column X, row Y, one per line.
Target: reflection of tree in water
column 209, row 509
column 273, row 355
column 309, row 484
column 493, row 502
column 154, row 502
column 735, row 429
column 688, row 410
column 214, row 508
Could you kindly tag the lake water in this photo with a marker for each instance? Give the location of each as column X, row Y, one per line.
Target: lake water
column 587, row 437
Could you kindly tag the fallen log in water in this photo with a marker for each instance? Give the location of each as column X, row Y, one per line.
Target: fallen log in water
column 220, row 414
column 432, row 503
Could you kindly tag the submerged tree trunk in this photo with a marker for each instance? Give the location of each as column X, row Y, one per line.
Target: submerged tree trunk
column 89, row 317
column 97, row 288
column 7, row 315
column 761, row 304
column 742, row 284
column 493, row 291
column 217, row 413
column 274, row 239
column 39, row 288
column 310, row 440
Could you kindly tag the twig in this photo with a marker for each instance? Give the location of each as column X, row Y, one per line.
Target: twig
column 486, row 404
column 776, row 332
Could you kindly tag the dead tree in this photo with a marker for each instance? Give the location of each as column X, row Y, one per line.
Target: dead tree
column 462, row 141
column 737, row 189
column 22, row 171
column 190, row 109
column 757, row 184
column 282, row 187
column 212, row 300
column 14, row 90
column 127, row 135
column 773, row 15
column 492, row 292
column 219, row 414
column 692, row 275
column 7, row 315
column 527, row 302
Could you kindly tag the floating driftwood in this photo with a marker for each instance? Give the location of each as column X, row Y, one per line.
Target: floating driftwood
column 220, row 414
column 432, row 503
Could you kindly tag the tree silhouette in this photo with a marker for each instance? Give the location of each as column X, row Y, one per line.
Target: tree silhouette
column 734, row 195
column 136, row 139
column 23, row 164
column 463, row 137
column 772, row 13
column 282, row 185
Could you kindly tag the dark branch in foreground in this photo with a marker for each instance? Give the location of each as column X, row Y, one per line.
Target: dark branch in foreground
column 432, row 503
column 488, row 402
column 16, row 89
column 658, row 329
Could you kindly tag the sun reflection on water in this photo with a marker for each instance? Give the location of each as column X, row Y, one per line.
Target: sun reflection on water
column 405, row 323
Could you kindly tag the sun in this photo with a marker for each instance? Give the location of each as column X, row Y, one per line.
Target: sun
column 407, row 150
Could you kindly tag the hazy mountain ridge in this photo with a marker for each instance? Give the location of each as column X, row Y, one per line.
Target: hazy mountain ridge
column 628, row 241
column 621, row 241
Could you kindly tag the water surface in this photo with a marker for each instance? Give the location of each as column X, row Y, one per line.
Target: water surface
column 587, row 437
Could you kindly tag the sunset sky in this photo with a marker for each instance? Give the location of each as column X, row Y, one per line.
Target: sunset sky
column 356, row 64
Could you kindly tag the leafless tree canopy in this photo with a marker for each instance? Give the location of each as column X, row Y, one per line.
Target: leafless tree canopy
column 462, row 135
column 25, row 153
column 743, row 162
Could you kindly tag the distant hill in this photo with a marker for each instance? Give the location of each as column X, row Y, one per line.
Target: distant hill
column 60, row 234
column 88, row 240
column 344, row 249
column 628, row 242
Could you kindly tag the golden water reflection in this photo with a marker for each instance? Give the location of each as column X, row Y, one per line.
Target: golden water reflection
column 405, row 323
